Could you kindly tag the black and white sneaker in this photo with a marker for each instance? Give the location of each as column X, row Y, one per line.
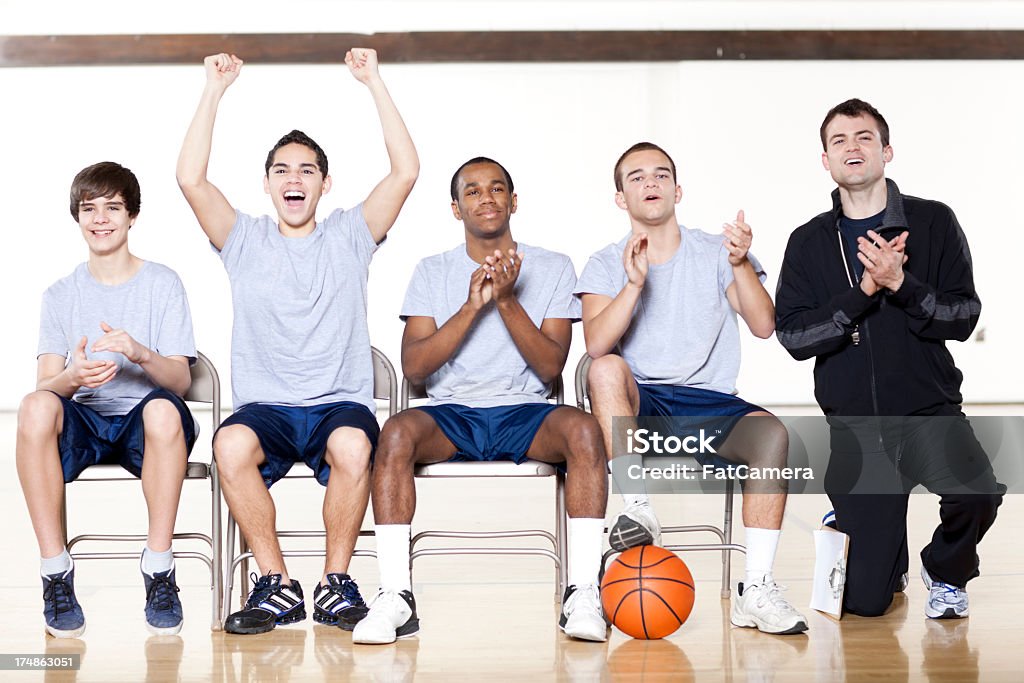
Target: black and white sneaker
column 392, row 615
column 270, row 604
column 762, row 606
column 338, row 603
column 635, row 525
column 582, row 617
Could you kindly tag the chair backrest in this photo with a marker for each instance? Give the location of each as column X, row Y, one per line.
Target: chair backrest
column 556, row 392
column 582, row 386
column 385, row 380
column 205, row 386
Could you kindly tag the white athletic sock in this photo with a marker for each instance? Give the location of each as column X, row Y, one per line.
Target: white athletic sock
column 761, row 547
column 585, row 538
column 59, row 564
column 393, row 556
column 153, row 561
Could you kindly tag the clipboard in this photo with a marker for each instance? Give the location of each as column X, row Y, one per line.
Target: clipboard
column 830, row 552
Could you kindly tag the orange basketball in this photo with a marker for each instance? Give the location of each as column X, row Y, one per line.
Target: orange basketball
column 647, row 592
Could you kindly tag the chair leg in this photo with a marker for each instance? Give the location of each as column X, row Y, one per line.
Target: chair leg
column 229, row 558
column 64, row 513
column 243, row 569
column 561, row 539
column 243, row 574
column 727, row 554
column 217, row 551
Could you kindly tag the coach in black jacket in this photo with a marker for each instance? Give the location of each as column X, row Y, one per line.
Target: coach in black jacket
column 872, row 290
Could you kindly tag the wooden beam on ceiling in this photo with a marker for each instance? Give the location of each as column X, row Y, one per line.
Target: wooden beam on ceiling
column 512, row 46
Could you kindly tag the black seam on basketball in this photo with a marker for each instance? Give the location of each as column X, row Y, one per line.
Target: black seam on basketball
column 618, row 560
column 615, row 581
column 622, row 600
column 640, row 578
column 664, row 602
column 667, row 558
column 643, row 617
column 670, row 580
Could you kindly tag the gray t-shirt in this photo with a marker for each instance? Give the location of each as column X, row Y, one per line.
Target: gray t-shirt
column 684, row 331
column 300, row 336
column 487, row 369
column 151, row 307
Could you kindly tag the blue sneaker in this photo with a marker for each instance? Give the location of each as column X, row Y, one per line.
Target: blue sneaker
column 338, row 603
column 163, row 608
column 270, row 604
column 64, row 617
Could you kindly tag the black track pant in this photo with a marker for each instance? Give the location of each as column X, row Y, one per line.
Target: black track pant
column 869, row 489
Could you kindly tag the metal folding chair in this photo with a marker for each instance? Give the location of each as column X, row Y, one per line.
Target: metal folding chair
column 724, row 532
column 205, row 389
column 385, row 388
column 557, row 553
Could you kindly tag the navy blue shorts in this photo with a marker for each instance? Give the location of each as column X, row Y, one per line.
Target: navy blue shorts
column 684, row 411
column 499, row 433
column 291, row 434
column 89, row 438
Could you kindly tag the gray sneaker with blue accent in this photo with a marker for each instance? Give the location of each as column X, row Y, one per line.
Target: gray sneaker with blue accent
column 945, row 601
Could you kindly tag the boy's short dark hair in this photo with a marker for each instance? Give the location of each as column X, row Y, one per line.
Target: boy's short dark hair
column 640, row 147
column 854, row 108
column 297, row 137
column 479, row 160
column 106, row 179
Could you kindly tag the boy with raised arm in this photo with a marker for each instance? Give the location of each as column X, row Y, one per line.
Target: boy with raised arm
column 301, row 369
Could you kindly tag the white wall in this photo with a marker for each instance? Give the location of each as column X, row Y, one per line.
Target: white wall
column 744, row 135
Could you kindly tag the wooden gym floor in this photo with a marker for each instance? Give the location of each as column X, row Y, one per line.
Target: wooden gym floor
column 495, row 617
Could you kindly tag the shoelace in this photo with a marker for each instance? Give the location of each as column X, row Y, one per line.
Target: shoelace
column 262, row 589
column 388, row 600
column 586, row 595
column 161, row 593
column 350, row 591
column 58, row 592
column 950, row 594
column 772, row 594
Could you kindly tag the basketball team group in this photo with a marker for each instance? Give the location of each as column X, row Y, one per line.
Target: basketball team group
column 871, row 289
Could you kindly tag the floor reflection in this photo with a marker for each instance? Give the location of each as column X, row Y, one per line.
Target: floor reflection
column 944, row 643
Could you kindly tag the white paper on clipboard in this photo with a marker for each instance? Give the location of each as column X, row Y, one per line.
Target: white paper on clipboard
column 830, row 550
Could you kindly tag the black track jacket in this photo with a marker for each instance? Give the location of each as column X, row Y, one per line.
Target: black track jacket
column 884, row 354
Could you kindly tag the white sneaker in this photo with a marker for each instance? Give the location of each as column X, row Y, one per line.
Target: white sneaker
column 392, row 615
column 945, row 601
column 635, row 525
column 582, row 616
column 761, row 605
